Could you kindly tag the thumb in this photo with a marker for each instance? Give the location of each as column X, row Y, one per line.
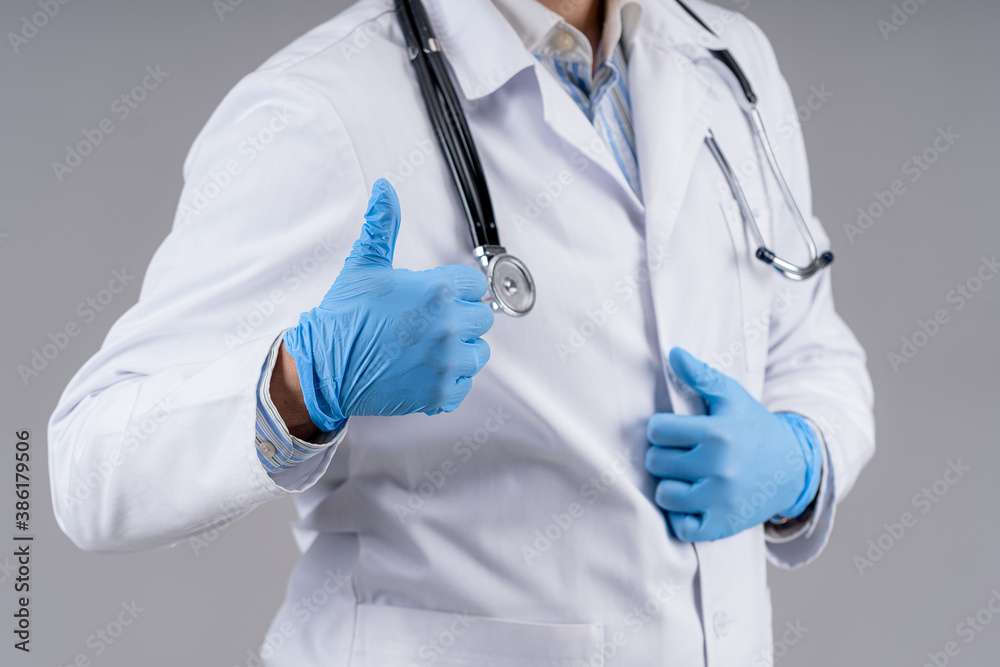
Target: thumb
column 378, row 235
column 710, row 384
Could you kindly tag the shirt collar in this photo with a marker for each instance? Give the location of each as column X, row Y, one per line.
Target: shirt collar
column 484, row 59
column 546, row 33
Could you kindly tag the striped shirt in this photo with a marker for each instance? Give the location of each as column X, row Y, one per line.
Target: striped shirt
column 606, row 102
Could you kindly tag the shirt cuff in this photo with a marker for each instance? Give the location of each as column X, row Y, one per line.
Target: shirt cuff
column 278, row 450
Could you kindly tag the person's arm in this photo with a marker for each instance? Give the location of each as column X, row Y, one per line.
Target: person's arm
column 367, row 339
column 153, row 439
column 815, row 366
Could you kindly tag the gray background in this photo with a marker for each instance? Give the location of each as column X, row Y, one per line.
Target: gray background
column 890, row 97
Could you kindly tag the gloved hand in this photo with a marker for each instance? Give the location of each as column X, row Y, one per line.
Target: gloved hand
column 388, row 341
column 735, row 467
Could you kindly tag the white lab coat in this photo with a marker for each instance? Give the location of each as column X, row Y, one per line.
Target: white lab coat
column 520, row 528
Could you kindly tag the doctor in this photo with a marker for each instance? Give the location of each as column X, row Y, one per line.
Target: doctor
column 601, row 481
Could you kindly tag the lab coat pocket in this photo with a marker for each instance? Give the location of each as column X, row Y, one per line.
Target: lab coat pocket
column 390, row 636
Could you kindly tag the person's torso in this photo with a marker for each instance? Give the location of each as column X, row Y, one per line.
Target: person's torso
column 528, row 510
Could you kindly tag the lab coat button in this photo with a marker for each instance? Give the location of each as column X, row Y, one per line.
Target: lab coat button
column 266, row 449
column 565, row 41
column 720, row 623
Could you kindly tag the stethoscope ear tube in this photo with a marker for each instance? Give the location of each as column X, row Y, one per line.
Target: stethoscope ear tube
column 816, row 261
column 789, row 270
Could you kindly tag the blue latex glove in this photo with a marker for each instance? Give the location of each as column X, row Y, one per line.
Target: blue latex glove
column 388, row 341
column 734, row 467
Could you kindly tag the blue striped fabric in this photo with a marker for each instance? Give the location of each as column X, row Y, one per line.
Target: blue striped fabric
column 277, row 449
column 606, row 102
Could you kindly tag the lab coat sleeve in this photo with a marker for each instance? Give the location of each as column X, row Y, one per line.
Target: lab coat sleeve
column 152, row 441
column 815, row 365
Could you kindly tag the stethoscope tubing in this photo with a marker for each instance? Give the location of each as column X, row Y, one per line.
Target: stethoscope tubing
column 792, row 271
column 449, row 122
column 452, row 130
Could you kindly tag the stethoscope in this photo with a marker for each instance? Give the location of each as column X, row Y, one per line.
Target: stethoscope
column 511, row 286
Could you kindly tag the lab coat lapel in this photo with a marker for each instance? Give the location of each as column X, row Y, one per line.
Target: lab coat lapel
column 673, row 104
column 672, row 109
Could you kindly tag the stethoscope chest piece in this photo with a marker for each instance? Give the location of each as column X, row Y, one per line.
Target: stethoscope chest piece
column 511, row 285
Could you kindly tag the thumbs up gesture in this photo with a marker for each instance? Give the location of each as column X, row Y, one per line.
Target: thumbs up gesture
column 733, row 468
column 388, row 341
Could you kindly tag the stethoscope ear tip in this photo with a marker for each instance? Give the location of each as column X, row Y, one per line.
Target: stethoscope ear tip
column 765, row 255
column 790, row 270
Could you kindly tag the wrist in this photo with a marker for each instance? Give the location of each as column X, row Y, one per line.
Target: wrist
column 303, row 383
column 812, row 455
column 289, row 401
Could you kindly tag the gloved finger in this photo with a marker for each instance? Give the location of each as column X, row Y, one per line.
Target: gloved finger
column 683, row 463
column 687, row 527
column 475, row 319
column 670, row 430
column 675, row 495
column 472, row 355
column 465, row 282
column 377, row 242
column 712, row 385
column 463, row 386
